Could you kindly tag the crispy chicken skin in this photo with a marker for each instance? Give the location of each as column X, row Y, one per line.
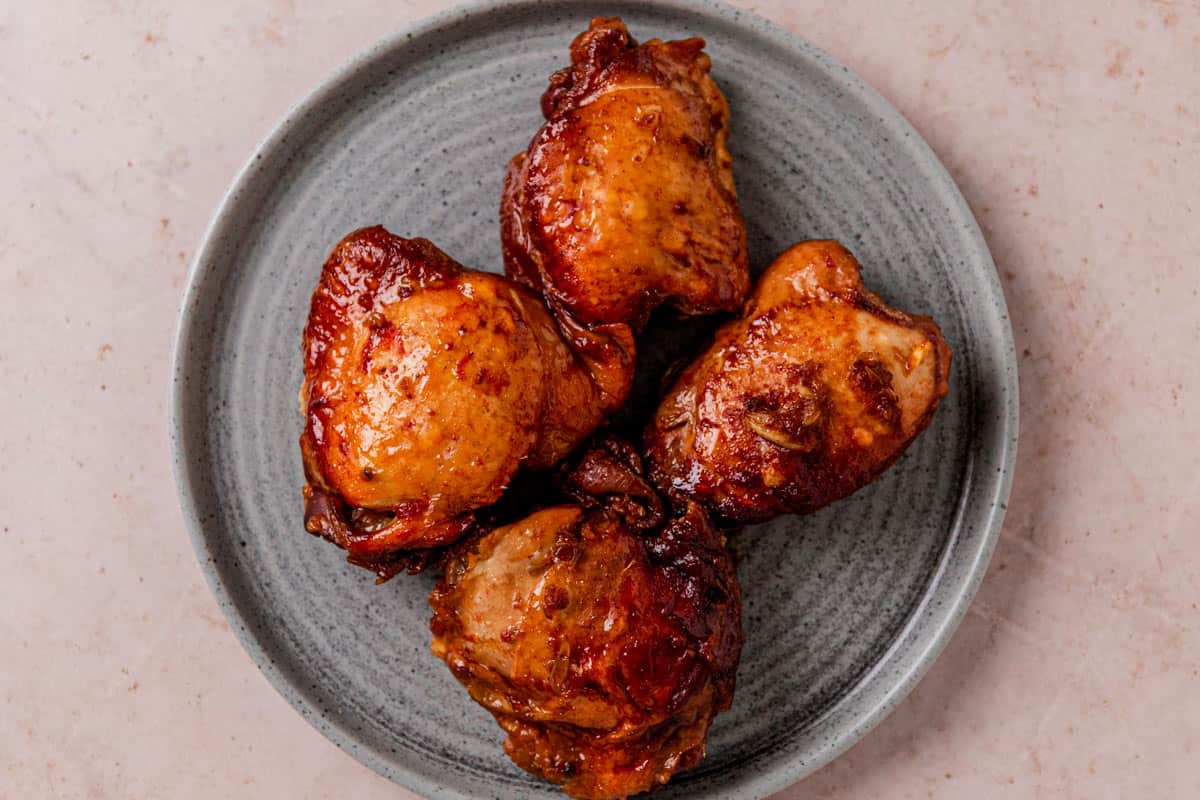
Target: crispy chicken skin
column 808, row 396
column 602, row 648
column 426, row 387
column 624, row 199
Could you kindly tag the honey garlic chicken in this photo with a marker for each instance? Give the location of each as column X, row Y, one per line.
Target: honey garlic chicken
column 426, row 387
column 624, row 199
column 815, row 390
column 603, row 650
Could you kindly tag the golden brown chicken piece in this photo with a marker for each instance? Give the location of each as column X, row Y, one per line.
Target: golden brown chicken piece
column 813, row 392
column 604, row 651
column 426, row 387
column 625, row 198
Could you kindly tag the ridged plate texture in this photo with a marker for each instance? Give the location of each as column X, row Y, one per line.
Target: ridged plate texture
column 844, row 609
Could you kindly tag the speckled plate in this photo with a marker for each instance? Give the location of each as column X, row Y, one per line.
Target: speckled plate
column 844, row 610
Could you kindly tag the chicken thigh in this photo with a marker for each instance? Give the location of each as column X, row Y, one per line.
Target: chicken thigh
column 815, row 390
column 427, row 386
column 603, row 647
column 625, row 199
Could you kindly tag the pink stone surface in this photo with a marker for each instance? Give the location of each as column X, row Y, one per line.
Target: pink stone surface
column 1074, row 132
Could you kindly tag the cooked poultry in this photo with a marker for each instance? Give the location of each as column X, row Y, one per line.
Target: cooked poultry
column 603, row 647
column 624, row 199
column 427, row 386
column 815, row 390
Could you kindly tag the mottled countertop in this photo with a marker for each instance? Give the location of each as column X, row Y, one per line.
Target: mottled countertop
column 1075, row 136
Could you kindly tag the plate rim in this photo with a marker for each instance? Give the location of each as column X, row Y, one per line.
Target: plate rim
column 973, row 563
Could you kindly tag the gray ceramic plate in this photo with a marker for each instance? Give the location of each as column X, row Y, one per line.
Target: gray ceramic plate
column 844, row 610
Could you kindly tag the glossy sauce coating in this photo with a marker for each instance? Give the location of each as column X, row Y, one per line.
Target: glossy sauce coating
column 602, row 650
column 427, row 386
column 814, row 391
column 624, row 199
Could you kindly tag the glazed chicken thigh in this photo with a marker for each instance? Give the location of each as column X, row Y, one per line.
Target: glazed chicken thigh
column 813, row 392
column 602, row 647
column 625, row 199
column 426, row 387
